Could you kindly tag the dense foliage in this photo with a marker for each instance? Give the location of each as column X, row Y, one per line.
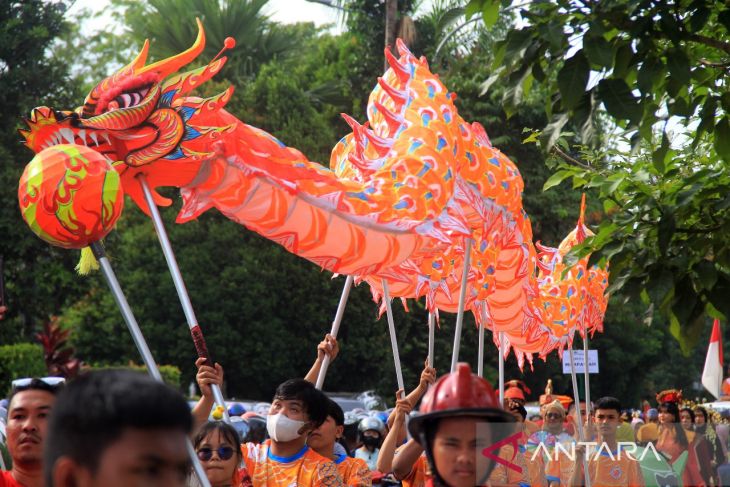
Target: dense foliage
column 657, row 74
column 262, row 309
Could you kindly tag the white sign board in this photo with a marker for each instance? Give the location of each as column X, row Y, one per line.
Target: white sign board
column 579, row 361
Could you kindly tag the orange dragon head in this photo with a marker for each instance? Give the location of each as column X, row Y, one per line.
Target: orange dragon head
column 140, row 120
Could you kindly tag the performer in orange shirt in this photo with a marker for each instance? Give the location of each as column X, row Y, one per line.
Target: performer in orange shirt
column 608, row 466
column 461, row 421
column 298, row 408
column 354, row 471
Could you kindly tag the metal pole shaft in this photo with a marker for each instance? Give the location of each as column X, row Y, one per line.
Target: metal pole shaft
column 335, row 328
column 587, row 378
column 501, row 367
column 393, row 341
column 177, row 279
column 139, row 340
column 578, row 415
column 480, row 352
column 431, row 336
column 126, row 311
column 460, row 313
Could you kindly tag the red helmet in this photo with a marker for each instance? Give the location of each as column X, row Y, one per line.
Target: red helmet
column 460, row 393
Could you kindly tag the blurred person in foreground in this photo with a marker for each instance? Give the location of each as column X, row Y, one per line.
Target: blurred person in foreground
column 451, row 412
column 118, row 428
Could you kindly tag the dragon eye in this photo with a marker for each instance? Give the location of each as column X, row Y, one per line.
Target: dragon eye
column 128, row 99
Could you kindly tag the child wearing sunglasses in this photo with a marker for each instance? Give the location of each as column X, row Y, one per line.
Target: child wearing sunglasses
column 218, row 448
column 284, row 459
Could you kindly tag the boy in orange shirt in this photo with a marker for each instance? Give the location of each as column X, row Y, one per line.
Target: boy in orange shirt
column 354, row 471
column 298, row 408
column 608, row 465
column 461, row 419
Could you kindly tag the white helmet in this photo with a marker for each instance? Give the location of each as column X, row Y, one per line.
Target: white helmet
column 371, row 423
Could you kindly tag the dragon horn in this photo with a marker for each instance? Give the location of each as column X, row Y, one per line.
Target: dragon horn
column 137, row 64
column 172, row 64
column 141, row 58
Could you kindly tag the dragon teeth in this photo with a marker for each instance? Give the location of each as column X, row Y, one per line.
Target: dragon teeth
column 67, row 134
column 106, row 137
column 94, row 137
column 82, row 136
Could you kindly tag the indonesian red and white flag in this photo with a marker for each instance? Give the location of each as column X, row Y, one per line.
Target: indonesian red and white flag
column 712, row 373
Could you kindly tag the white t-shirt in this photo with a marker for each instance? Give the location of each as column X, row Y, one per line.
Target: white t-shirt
column 370, row 458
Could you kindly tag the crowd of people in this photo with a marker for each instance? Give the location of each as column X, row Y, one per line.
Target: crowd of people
column 120, row 428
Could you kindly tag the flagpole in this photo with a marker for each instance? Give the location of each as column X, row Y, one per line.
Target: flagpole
column 501, row 367
column 480, row 352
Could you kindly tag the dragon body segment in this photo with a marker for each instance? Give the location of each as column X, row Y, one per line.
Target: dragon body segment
column 417, row 129
column 404, row 192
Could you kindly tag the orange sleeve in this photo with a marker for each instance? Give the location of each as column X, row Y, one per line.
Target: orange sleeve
column 359, row 474
column 636, row 479
column 250, row 454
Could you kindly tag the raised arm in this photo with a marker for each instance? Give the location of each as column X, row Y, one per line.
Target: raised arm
column 393, row 438
column 577, row 476
column 205, row 377
column 428, row 377
column 328, row 346
column 406, row 458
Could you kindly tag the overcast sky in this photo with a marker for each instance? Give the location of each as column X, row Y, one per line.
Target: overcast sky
column 283, row 11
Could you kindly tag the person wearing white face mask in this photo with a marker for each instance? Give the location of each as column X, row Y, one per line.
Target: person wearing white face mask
column 297, row 409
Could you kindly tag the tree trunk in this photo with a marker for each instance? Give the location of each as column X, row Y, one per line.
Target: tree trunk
column 391, row 21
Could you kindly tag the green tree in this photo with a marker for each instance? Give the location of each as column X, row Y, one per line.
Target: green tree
column 263, row 310
column 39, row 279
column 249, row 294
column 655, row 74
column 20, row 360
column 258, row 40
